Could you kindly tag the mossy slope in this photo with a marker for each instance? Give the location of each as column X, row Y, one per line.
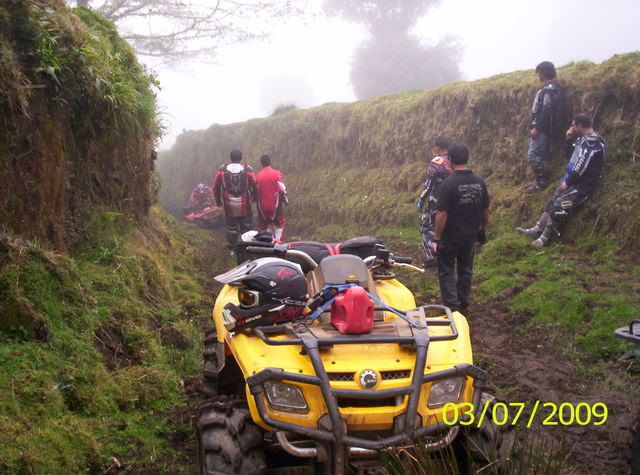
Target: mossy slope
column 77, row 121
column 116, row 330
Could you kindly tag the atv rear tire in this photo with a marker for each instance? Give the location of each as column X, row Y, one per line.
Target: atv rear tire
column 228, row 440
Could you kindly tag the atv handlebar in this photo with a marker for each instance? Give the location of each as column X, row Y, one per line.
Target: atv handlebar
column 280, row 250
column 402, row 260
column 265, row 251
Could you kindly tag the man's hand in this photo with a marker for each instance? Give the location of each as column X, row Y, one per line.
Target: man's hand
column 482, row 238
column 571, row 132
column 563, row 186
column 434, row 247
column 534, row 132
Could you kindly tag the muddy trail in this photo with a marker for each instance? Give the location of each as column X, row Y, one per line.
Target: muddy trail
column 529, row 366
column 526, row 363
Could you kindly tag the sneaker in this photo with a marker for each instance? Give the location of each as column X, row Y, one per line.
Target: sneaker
column 530, row 185
column 535, row 188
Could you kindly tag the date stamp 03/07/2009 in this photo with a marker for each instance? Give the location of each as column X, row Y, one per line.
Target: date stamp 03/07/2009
column 514, row 413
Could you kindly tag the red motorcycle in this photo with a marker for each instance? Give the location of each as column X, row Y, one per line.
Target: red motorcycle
column 209, row 217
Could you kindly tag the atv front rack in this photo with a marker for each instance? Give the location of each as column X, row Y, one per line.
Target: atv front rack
column 407, row 339
column 335, row 434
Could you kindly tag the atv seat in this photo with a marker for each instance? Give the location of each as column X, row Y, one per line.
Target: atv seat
column 336, row 270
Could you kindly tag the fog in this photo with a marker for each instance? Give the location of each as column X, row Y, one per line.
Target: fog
column 307, row 61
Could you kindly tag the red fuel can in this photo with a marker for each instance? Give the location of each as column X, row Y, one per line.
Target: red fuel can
column 352, row 311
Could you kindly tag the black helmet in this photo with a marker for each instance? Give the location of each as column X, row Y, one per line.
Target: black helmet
column 271, row 290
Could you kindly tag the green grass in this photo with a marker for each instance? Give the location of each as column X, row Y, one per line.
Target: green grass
column 532, row 455
column 586, row 289
column 65, row 406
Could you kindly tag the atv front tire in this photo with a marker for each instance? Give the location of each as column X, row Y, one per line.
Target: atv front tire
column 228, row 440
column 491, row 444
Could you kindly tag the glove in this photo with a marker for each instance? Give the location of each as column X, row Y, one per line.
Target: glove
column 482, row 237
column 420, row 205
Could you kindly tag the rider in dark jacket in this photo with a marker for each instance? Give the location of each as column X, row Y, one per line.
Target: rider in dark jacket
column 545, row 104
column 438, row 170
column 586, row 151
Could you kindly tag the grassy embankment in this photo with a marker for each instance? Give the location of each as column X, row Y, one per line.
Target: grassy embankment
column 100, row 301
column 358, row 168
column 114, row 331
column 77, row 121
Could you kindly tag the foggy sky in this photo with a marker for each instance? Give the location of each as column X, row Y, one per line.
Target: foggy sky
column 307, row 62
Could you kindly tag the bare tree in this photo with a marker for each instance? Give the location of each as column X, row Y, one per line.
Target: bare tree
column 173, row 30
column 393, row 60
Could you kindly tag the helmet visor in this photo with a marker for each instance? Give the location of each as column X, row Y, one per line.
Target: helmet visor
column 237, row 273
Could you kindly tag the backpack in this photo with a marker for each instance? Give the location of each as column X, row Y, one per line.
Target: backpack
column 235, row 179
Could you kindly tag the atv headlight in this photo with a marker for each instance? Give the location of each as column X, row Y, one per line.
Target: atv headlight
column 444, row 391
column 285, row 397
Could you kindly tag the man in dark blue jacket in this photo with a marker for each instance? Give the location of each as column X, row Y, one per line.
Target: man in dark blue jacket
column 545, row 104
column 586, row 151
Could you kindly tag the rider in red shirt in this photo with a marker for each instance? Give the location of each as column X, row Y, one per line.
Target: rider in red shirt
column 272, row 198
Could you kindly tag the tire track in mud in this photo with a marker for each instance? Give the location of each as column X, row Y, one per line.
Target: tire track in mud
column 528, row 365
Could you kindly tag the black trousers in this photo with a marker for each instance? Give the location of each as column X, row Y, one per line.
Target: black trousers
column 455, row 270
column 237, row 225
column 563, row 204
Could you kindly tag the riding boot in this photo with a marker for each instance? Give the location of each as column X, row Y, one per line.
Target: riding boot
column 538, row 228
column 546, row 236
column 540, row 174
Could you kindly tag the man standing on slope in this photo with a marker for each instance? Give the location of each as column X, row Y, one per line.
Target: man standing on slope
column 438, row 170
column 586, row 151
column 461, row 224
column 543, row 111
column 234, row 186
column 272, row 198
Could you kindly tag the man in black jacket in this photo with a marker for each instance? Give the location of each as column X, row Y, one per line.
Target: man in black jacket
column 543, row 110
column 586, row 152
column 439, row 169
column 461, row 224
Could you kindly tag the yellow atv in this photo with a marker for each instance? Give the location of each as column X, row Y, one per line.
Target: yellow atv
column 323, row 364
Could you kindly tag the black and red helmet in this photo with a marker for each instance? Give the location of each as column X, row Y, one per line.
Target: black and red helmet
column 270, row 290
